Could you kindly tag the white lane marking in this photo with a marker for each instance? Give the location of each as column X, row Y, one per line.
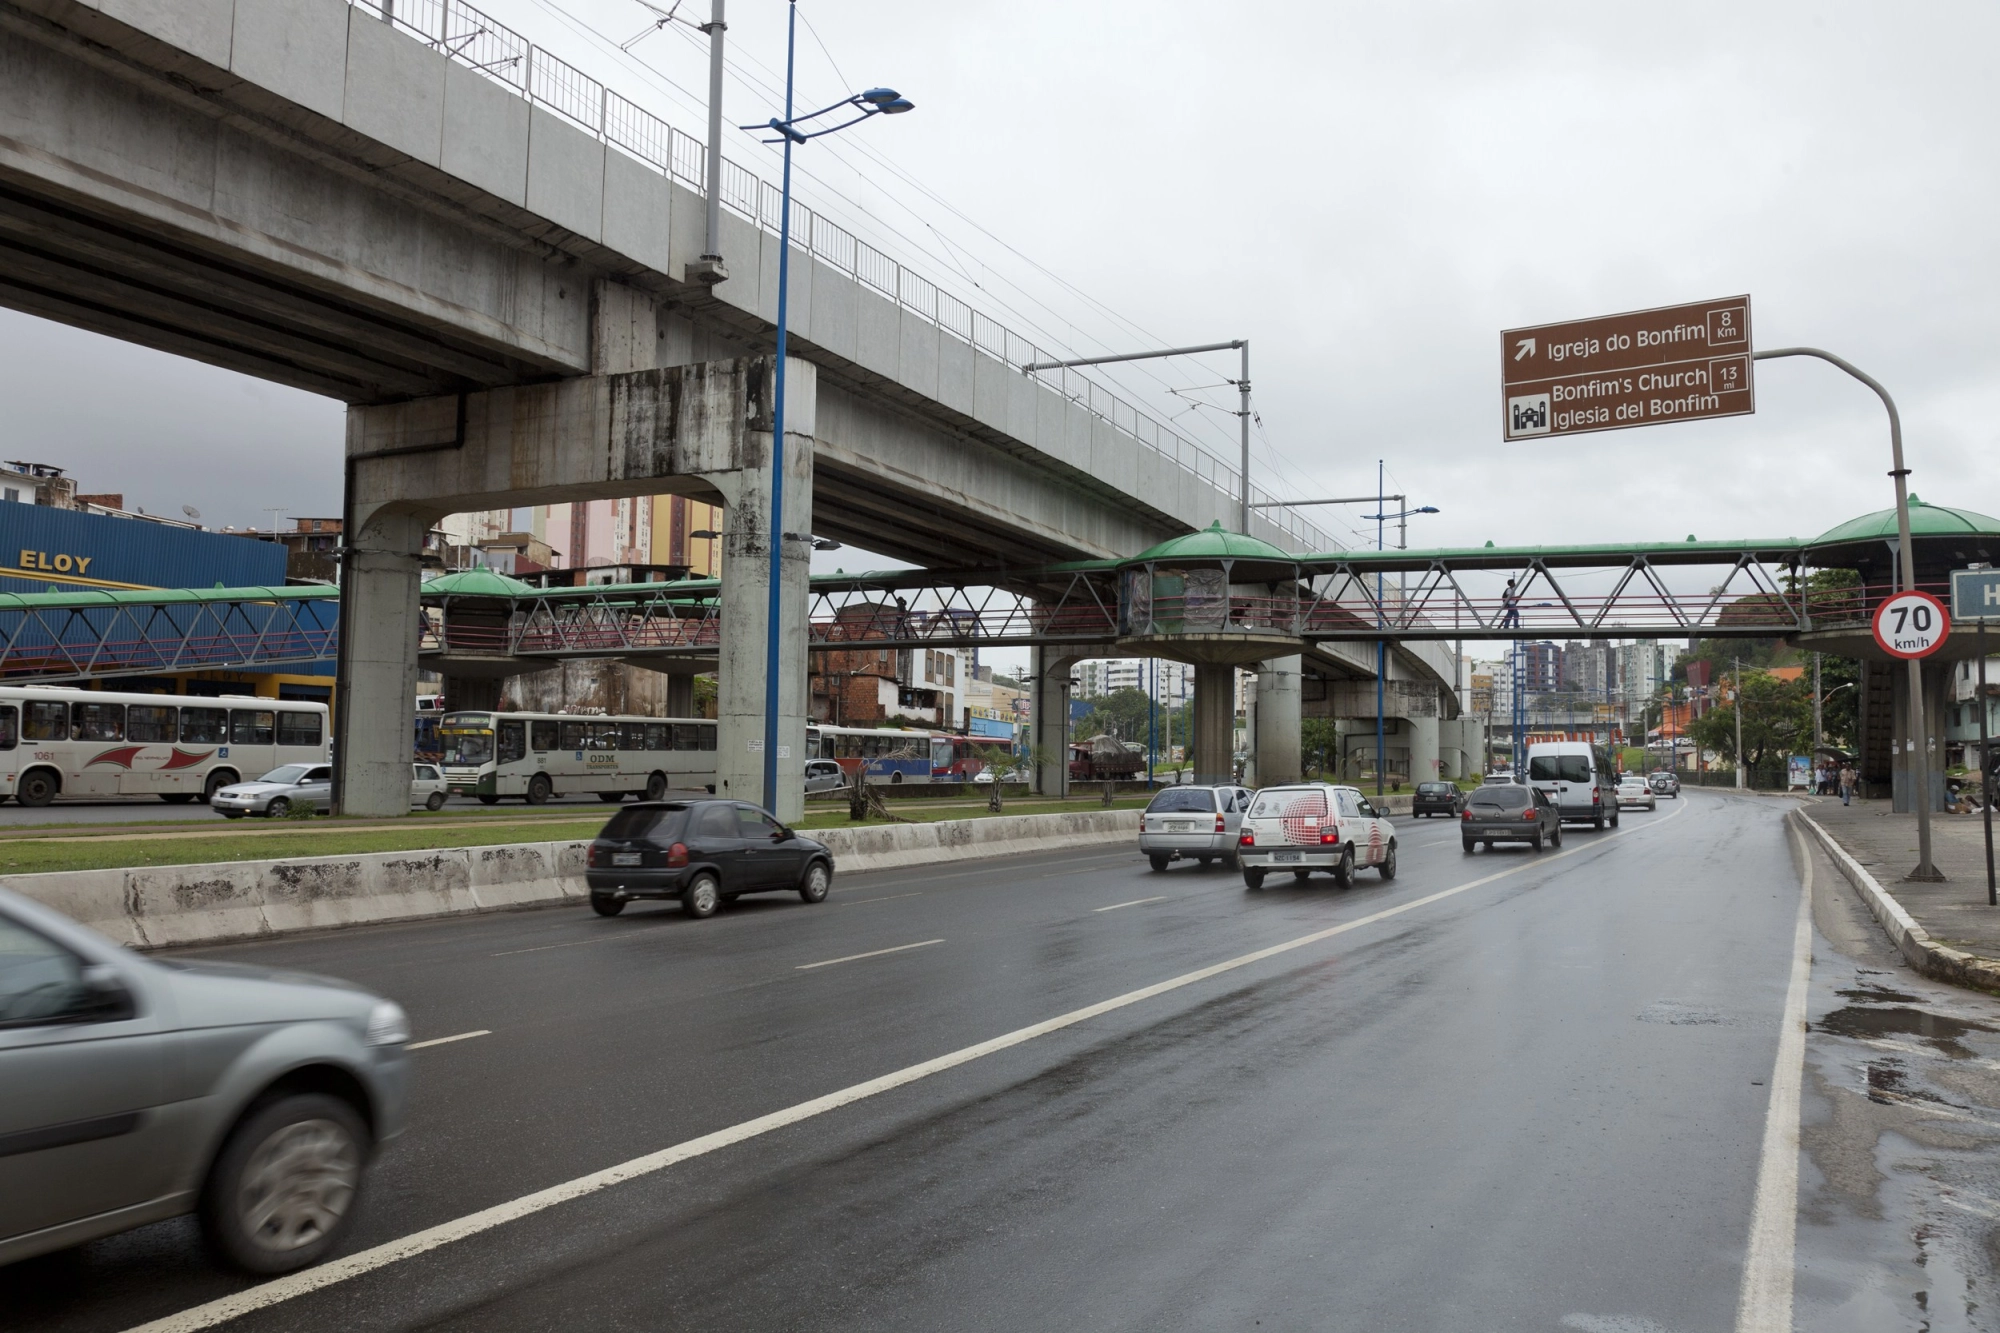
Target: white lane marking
column 439, row 1041
column 1764, row 1304
column 885, row 898
column 872, row 953
column 1134, row 903
column 569, row 944
column 445, row 1233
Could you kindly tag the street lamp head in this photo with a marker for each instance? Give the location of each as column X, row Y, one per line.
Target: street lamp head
column 1428, row 509
column 897, row 107
column 881, row 96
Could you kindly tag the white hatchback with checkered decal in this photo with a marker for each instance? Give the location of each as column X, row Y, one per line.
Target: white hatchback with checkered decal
column 1314, row 826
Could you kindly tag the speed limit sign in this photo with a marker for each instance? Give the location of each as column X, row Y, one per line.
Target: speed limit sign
column 1911, row 624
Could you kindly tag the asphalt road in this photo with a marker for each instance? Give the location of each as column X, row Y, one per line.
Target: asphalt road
column 1533, row 1103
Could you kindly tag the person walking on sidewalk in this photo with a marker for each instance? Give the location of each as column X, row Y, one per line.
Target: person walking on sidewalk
column 1848, row 777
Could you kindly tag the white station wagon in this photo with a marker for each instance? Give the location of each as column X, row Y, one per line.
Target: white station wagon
column 1314, row 826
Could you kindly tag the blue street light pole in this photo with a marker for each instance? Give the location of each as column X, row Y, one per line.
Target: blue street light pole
column 1381, row 516
column 876, row 101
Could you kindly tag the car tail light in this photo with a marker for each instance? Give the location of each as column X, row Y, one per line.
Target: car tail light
column 677, row 855
column 1329, row 836
column 1219, row 826
column 1248, row 839
column 1466, row 814
column 1596, row 796
column 1530, row 814
column 590, row 857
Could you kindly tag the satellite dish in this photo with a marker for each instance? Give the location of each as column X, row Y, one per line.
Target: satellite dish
column 190, row 511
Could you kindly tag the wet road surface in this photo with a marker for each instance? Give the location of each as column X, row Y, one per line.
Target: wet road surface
column 1536, row 1103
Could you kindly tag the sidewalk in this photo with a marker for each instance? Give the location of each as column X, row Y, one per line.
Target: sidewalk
column 1953, row 914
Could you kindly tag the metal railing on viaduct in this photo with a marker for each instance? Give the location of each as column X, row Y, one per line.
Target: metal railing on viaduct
column 1757, row 591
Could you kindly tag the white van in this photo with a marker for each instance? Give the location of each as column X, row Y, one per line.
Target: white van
column 1579, row 778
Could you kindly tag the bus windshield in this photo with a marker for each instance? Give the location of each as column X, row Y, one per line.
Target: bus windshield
column 467, row 749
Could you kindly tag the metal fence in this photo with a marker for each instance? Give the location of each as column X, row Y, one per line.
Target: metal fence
column 475, row 40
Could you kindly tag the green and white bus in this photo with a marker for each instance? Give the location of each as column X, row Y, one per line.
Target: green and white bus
column 539, row 755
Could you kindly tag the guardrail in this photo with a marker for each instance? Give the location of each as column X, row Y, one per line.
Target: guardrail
column 475, row 40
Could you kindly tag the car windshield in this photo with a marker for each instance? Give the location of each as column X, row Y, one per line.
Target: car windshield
column 1499, row 798
column 1289, row 803
column 287, row 774
column 664, row 823
column 1185, row 800
column 1434, row 788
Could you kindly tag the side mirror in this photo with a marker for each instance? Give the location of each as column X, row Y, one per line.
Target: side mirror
column 103, row 996
column 780, row 834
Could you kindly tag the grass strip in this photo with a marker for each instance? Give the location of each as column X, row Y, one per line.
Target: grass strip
column 32, row 856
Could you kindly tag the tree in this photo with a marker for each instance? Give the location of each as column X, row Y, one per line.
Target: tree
column 1319, row 745
column 1121, row 713
column 1777, row 720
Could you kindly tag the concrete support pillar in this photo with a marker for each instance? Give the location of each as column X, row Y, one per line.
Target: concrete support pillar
column 1048, row 686
column 1278, row 743
column 1422, row 734
column 746, row 590
column 680, row 695
column 1905, row 764
column 374, row 732
column 1215, row 723
column 472, row 692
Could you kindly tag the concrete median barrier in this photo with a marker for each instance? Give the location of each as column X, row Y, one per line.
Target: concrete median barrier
column 157, row 907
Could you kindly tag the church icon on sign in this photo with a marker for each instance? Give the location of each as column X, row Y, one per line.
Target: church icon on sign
column 1527, row 415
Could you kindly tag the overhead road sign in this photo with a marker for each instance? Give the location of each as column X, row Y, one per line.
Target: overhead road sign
column 1911, row 624
column 1975, row 594
column 1643, row 368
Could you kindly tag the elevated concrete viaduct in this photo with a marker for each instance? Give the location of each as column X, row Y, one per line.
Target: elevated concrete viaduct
column 303, row 191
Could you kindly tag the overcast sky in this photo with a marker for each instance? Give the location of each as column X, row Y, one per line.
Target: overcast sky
column 1368, row 192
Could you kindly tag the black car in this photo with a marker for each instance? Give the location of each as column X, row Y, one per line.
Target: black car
column 1434, row 798
column 1507, row 812
column 703, row 852
column 1664, row 783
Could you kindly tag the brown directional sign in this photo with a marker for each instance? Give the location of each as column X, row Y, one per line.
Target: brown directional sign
column 1677, row 363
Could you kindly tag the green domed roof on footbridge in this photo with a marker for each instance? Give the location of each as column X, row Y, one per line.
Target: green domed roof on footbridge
column 1926, row 520
column 480, row 582
column 1212, row 543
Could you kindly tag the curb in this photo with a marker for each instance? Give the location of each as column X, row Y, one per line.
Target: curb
column 162, row 907
column 1937, row 961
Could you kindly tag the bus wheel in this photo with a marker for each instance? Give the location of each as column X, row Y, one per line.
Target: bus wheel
column 539, row 789
column 177, row 797
column 37, row 788
column 217, row 780
column 896, row 778
column 656, row 787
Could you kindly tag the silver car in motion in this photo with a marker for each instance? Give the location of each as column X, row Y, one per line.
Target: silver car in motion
column 135, row 1089
column 277, row 792
column 1193, row 823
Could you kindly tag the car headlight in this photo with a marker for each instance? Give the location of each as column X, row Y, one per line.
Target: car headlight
column 388, row 1025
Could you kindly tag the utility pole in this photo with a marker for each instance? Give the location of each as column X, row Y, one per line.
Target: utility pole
column 1736, row 688
column 709, row 269
column 1243, row 427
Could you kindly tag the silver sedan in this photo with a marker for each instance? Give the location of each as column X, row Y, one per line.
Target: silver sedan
column 134, row 1089
column 278, row 792
column 1635, row 792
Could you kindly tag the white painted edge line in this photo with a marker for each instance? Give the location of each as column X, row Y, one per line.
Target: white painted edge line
column 445, row 1233
column 440, row 1041
column 872, row 953
column 1134, row 903
column 1764, row 1303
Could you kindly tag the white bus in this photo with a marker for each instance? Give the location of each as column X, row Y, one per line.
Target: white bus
column 539, row 755
column 66, row 742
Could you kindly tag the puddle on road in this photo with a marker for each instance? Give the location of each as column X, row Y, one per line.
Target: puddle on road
column 1868, row 993
column 1902, row 1021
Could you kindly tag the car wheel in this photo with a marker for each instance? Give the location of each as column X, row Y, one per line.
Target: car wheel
column 1614, row 819
column 1253, row 879
column 37, row 788
column 489, row 800
column 1343, row 874
column 818, row 880
column 282, row 1191
column 278, row 807
column 1556, row 836
column 1598, row 823
column 1388, row 866
column 606, row 906
column 1535, row 842
column 1468, row 844
column 435, row 802
column 1159, row 861
column 701, row 897
column 656, row 787
column 539, row 789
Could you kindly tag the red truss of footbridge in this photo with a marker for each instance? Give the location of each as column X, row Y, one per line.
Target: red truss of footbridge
column 1666, row 590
